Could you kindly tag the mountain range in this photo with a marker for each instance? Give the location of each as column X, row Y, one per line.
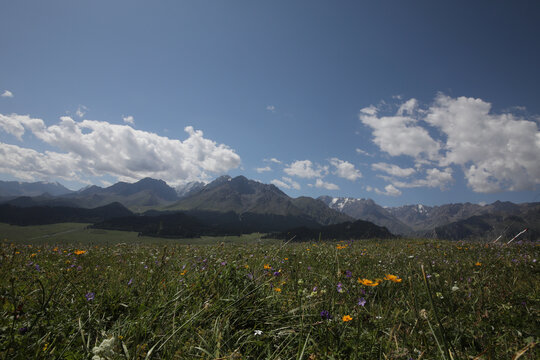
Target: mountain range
column 246, row 204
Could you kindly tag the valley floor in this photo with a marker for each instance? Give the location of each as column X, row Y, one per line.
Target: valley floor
column 67, row 292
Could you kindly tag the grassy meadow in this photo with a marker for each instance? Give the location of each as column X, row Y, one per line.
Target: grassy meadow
column 67, row 292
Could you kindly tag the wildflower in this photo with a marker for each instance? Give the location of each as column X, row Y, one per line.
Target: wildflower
column 277, row 273
column 130, row 282
column 277, row 289
column 183, row 272
column 250, row 276
column 246, row 266
column 362, row 302
column 339, row 288
column 38, row 268
column 258, row 332
column 348, row 273
column 79, row 252
column 478, row 263
column 45, row 347
column 455, row 288
column 90, row 296
column 325, row 315
column 104, row 350
column 33, row 255
column 267, row 266
column 346, row 318
column 368, row 282
column 23, row 330
column 392, row 278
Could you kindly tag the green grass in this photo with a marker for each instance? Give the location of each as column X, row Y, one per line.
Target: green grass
column 246, row 299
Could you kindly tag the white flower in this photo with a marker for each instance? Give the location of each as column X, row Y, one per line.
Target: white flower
column 104, row 349
column 258, row 332
column 455, row 288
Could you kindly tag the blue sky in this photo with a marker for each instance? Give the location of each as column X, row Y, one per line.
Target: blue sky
column 403, row 102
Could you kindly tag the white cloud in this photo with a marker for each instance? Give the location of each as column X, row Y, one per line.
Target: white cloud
column 401, row 135
column 286, row 183
column 362, row 152
column 393, row 170
column 407, row 107
column 326, row 185
column 345, row 169
column 496, row 152
column 434, row 178
column 389, row 190
column 271, row 108
column 128, row 119
column 305, row 169
column 7, row 94
column 263, row 169
column 273, row 160
column 96, row 148
column 81, row 110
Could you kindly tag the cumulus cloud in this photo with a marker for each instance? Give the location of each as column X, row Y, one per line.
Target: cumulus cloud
column 263, row 169
column 286, row 183
column 306, row 169
column 496, row 152
column 325, row 185
column 400, row 135
column 96, row 148
column 7, row 94
column 273, row 160
column 434, row 178
column 128, row 119
column 389, row 190
column 81, row 111
column 392, row 169
column 362, row 152
column 345, row 169
column 271, row 108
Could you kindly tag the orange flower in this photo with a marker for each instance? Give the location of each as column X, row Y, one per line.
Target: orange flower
column 478, row 263
column 368, row 282
column 79, row 252
column 266, row 266
column 346, row 318
column 392, row 278
column 277, row 289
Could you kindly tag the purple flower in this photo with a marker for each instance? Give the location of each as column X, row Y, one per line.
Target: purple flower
column 362, row 301
column 223, row 263
column 339, row 288
column 23, row 330
column 90, row 296
column 277, row 273
column 130, row 282
column 348, row 273
column 250, row 276
column 314, row 289
column 79, row 268
column 325, row 315
column 37, row 268
column 363, row 291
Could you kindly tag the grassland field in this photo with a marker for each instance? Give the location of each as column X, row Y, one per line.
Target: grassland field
column 69, row 292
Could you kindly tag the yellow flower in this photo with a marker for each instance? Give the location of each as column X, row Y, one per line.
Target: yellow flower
column 340, row 247
column 246, row 266
column 392, row 278
column 277, row 289
column 368, row 282
column 79, row 252
column 183, row 272
column 33, row 255
column 346, row 318
column 45, row 347
column 266, row 266
column 478, row 263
